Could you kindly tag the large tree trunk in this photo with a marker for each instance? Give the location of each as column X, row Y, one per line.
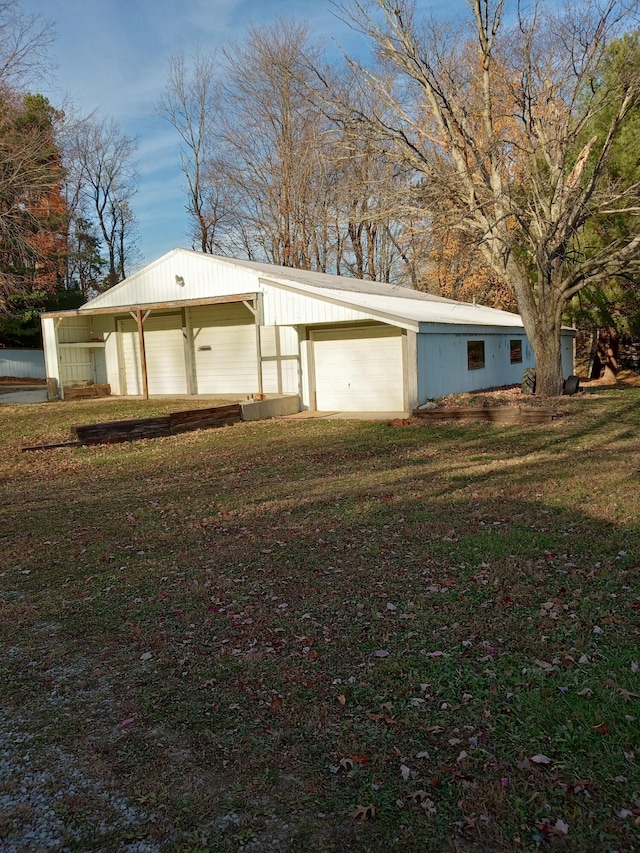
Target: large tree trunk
column 608, row 347
column 549, row 380
column 541, row 310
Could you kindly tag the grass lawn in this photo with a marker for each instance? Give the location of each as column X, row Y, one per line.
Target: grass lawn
column 325, row 635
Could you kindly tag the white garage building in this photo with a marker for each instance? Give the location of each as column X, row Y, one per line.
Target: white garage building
column 192, row 324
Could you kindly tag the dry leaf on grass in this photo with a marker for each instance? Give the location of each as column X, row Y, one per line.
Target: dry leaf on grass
column 385, row 717
column 421, row 798
column 363, row 812
column 540, row 759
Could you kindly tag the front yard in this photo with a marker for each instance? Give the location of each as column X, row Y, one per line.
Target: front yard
column 322, row 635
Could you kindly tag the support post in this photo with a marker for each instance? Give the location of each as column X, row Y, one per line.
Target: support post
column 143, row 356
column 254, row 308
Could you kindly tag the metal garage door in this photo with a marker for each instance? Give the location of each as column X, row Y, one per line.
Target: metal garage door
column 359, row 369
column 164, row 349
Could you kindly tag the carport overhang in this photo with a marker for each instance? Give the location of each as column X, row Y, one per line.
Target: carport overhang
column 141, row 312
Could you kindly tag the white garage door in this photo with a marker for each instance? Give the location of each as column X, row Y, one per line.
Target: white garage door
column 359, row 370
column 164, row 349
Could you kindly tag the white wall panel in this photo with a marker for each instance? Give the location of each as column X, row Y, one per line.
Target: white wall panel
column 130, row 363
column 74, row 330
column 359, row 369
column 225, row 349
column 203, row 277
column 282, row 307
column 279, row 351
column 51, row 354
column 164, row 352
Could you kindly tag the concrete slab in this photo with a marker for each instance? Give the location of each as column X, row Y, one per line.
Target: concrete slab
column 348, row 416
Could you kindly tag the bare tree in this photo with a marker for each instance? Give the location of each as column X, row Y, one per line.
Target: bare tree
column 102, row 182
column 190, row 103
column 24, row 40
column 273, row 145
column 492, row 116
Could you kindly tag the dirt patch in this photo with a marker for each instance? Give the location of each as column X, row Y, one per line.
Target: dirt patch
column 511, row 395
column 505, row 395
column 625, row 379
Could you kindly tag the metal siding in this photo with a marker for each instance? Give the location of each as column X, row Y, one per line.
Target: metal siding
column 283, row 307
column 280, row 358
column 105, row 326
column 567, row 349
column 203, row 277
column 306, row 362
column 28, row 363
column 49, row 341
column 442, row 363
column 76, row 366
column 164, row 351
column 130, row 354
column 411, row 369
column 230, row 365
column 359, row 369
column 74, row 330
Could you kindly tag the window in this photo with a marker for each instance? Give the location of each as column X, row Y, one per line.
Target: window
column 516, row 351
column 475, row 355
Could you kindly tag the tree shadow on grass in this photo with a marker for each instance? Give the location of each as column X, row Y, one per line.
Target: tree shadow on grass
column 319, row 615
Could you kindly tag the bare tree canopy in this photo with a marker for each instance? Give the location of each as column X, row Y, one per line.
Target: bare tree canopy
column 270, row 177
column 102, row 180
column 492, row 113
column 24, row 40
column 190, row 103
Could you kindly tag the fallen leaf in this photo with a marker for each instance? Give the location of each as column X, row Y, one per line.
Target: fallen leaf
column 540, row 759
column 601, row 729
column 377, row 717
column 342, row 699
column 405, row 772
column 146, row 656
column 626, row 695
column 559, row 827
column 363, row 812
column 381, row 653
column 422, row 799
column 418, row 796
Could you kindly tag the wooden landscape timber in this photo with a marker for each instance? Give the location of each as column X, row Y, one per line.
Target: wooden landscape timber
column 115, row 432
column 86, row 392
column 204, row 418
column 495, row 414
column 112, row 432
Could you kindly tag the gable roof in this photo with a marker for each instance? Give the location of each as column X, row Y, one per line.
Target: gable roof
column 157, row 283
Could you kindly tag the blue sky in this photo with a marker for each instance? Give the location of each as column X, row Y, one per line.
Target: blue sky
column 112, row 56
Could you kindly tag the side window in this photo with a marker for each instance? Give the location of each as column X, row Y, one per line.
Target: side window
column 475, row 355
column 516, row 351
